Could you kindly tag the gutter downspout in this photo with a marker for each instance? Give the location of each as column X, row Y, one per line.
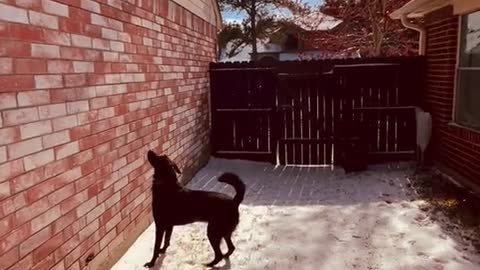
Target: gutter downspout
column 423, row 33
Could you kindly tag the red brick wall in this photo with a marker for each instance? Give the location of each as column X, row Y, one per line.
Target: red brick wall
column 86, row 88
column 455, row 147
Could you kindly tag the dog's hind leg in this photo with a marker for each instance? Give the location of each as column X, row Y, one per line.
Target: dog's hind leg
column 215, row 239
column 231, row 247
column 168, row 235
column 159, row 231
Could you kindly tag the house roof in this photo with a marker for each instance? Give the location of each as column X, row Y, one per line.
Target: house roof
column 316, row 21
column 419, row 8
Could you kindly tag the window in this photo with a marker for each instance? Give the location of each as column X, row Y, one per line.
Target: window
column 468, row 78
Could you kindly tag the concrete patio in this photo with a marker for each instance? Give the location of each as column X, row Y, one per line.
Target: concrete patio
column 314, row 218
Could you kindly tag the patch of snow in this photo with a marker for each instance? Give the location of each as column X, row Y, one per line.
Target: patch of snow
column 313, row 219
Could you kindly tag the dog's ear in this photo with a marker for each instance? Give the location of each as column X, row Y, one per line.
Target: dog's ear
column 175, row 166
column 152, row 157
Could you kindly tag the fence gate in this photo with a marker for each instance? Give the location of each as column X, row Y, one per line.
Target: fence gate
column 306, row 107
column 297, row 112
column 243, row 104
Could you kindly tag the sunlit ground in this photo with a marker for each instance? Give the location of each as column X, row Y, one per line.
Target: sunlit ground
column 312, row 218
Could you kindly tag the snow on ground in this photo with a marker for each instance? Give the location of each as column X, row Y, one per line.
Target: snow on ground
column 314, row 218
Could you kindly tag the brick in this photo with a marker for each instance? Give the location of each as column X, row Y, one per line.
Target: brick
column 43, row 20
column 29, row 4
column 3, row 155
column 56, row 38
column 67, row 150
column 25, row 263
column 109, row 34
column 62, row 95
column 56, row 138
column 52, row 111
column 5, row 190
column 31, row 98
column 39, row 159
column 110, row 56
column 72, row 53
column 57, row 167
column 117, row 46
column 35, row 129
column 77, row 106
column 30, row 66
column 60, row 66
column 20, row 116
column 45, row 219
column 44, row 263
column 85, row 207
column 59, row 195
column 83, row 67
column 101, row 44
column 99, row 20
column 48, row 81
column 85, row 92
column 72, row 202
column 6, row 224
column 26, row 33
column 14, row 48
column 64, row 221
column 55, row 8
column 65, row 122
column 7, row 101
column 50, row 185
column 24, row 148
column 35, row 241
column 12, row 204
column 9, row 258
column 47, row 248
column 90, row 5
column 27, row 180
column 75, row 80
column 92, row 55
column 6, row 65
column 14, row 238
column 16, row 82
column 45, row 51
column 13, row 14
column 95, row 213
column 113, row 78
column 81, row 41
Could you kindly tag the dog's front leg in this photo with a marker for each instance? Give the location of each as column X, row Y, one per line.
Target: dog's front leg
column 168, row 235
column 159, row 231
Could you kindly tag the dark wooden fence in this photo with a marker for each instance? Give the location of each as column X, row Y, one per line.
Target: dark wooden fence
column 299, row 112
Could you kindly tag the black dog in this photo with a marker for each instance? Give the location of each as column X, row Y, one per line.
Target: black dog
column 173, row 205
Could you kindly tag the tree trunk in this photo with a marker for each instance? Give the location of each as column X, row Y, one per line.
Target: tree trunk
column 253, row 21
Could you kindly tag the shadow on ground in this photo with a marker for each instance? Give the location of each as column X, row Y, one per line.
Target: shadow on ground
column 281, row 185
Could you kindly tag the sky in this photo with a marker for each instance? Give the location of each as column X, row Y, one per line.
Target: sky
column 236, row 17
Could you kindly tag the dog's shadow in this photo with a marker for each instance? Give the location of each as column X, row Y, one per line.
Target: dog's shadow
column 158, row 264
column 227, row 266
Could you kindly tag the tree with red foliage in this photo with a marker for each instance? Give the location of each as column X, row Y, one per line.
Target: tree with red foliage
column 366, row 28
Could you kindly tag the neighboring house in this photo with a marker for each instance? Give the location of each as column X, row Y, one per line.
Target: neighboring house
column 452, row 49
column 86, row 88
column 287, row 46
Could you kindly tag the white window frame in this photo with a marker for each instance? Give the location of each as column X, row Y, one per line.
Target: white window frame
column 457, row 77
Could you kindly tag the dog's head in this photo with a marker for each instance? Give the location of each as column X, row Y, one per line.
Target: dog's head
column 165, row 168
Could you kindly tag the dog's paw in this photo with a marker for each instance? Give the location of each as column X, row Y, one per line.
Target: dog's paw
column 149, row 265
column 212, row 264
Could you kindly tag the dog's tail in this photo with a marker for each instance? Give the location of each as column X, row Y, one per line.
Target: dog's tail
column 236, row 182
